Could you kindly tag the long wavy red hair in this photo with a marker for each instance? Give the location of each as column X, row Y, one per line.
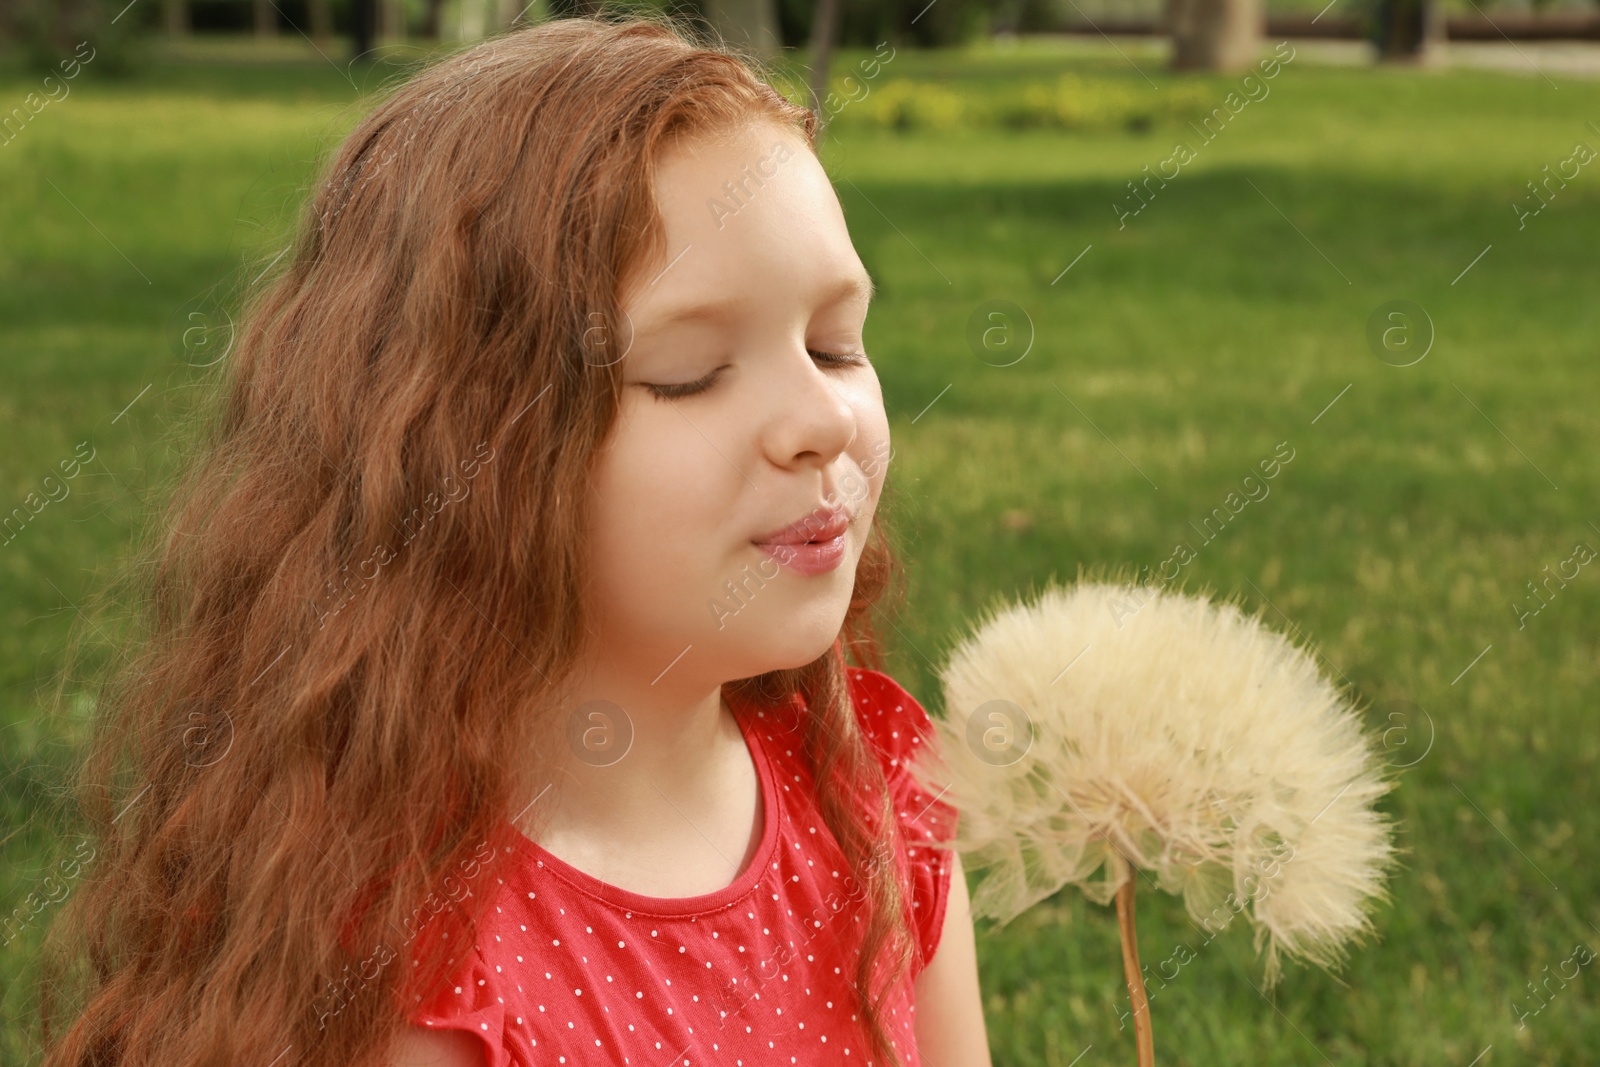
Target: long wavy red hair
column 306, row 746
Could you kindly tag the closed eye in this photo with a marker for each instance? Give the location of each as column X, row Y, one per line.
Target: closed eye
column 700, row 385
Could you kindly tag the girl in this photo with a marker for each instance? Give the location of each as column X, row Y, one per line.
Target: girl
column 494, row 706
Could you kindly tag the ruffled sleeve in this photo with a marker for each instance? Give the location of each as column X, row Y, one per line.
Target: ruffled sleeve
column 899, row 727
column 469, row 1002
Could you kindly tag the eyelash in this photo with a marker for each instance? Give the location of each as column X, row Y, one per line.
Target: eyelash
column 677, row 392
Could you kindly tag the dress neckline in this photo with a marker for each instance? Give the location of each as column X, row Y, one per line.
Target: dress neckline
column 746, row 880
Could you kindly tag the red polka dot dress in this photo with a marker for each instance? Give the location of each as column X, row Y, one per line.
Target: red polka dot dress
column 568, row 969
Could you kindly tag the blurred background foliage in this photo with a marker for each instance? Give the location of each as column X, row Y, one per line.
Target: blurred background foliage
column 1228, row 316
column 40, row 31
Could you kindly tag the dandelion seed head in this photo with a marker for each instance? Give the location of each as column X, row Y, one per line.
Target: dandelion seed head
column 1203, row 746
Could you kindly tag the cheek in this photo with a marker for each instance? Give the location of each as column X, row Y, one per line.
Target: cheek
column 871, row 450
column 654, row 504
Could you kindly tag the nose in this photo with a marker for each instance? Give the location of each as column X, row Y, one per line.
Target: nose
column 812, row 420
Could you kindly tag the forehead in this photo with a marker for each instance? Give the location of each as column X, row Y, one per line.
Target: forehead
column 748, row 215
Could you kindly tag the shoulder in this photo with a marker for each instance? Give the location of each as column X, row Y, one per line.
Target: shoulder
column 870, row 684
column 415, row 1046
column 464, row 1015
column 893, row 720
column 900, row 729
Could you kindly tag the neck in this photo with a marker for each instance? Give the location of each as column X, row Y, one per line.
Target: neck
column 628, row 749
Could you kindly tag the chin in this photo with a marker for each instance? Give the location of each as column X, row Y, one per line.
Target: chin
column 798, row 647
column 803, row 655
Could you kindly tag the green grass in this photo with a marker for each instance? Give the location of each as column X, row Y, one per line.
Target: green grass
column 1222, row 320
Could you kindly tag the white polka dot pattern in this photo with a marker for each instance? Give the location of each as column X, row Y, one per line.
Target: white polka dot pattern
column 568, row 969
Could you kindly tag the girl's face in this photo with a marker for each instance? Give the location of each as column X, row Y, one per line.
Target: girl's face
column 748, row 404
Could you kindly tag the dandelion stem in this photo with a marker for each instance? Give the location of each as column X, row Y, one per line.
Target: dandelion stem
column 1130, row 961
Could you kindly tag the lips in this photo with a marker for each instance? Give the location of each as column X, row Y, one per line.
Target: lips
column 822, row 524
column 813, row 544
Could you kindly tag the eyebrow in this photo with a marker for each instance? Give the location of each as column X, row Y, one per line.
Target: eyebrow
column 857, row 287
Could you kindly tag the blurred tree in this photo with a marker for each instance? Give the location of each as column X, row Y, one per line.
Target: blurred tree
column 50, row 31
column 392, row 22
column 1219, row 35
column 432, row 19
column 1406, row 31
column 363, row 27
column 478, row 18
column 175, row 17
column 1030, row 16
column 321, row 16
column 473, row 21
column 749, row 25
column 266, row 18
column 562, row 9
column 824, row 25
column 868, row 23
